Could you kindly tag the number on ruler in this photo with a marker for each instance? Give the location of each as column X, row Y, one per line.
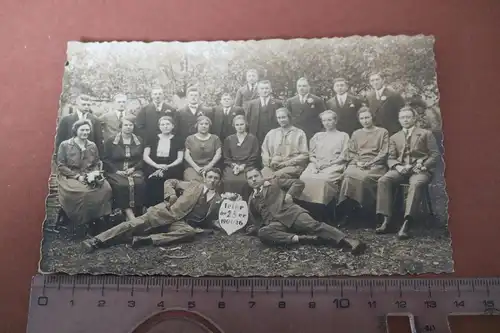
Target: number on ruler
column 429, row 328
column 72, row 302
column 489, row 304
column 372, row 304
column 43, row 300
column 401, row 304
column 282, row 305
column 251, row 304
column 101, row 303
column 312, row 305
column 221, row 305
column 430, row 304
column 342, row 303
column 160, row 304
column 191, row 304
column 131, row 304
column 459, row 304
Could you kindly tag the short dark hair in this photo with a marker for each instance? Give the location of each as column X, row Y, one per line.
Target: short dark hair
column 408, row 108
column 265, row 82
column 190, row 89
column 79, row 123
column 214, row 170
column 247, row 170
column 340, row 79
column 379, row 73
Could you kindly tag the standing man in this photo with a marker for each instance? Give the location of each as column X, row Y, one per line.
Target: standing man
column 413, row 154
column 182, row 217
column 64, row 129
column 284, row 150
column 261, row 112
column 346, row 106
column 189, row 114
column 249, row 91
column 110, row 121
column 385, row 103
column 277, row 220
column 146, row 123
column 305, row 109
column 223, row 115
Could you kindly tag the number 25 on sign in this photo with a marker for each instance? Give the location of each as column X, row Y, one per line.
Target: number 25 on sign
column 233, row 215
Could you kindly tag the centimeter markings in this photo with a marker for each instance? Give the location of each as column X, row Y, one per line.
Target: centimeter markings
column 270, row 284
column 382, row 296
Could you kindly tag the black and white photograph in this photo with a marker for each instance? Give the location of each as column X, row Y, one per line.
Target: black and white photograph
column 278, row 157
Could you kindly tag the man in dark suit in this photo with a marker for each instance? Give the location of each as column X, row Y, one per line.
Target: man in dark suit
column 111, row 121
column 189, row 114
column 146, row 123
column 346, row 106
column 176, row 219
column 223, row 115
column 249, row 91
column 261, row 113
column 305, row 109
column 385, row 103
column 82, row 112
column 413, row 154
column 277, row 220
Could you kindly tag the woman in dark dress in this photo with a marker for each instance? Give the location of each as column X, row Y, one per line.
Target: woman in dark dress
column 123, row 166
column 163, row 155
column 85, row 202
column 240, row 150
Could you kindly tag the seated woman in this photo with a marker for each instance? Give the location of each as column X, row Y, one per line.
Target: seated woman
column 163, row 155
column 327, row 152
column 203, row 150
column 284, row 150
column 122, row 162
column 84, row 195
column 367, row 155
column 241, row 150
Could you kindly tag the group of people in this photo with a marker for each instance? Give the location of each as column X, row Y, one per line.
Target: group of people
column 344, row 154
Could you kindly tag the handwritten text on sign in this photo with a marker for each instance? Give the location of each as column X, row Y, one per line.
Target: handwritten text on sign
column 233, row 215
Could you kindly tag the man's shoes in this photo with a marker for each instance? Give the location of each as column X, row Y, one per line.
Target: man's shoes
column 90, row 245
column 384, row 228
column 141, row 241
column 355, row 246
column 308, row 239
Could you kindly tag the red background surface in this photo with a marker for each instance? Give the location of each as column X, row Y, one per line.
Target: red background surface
column 34, row 35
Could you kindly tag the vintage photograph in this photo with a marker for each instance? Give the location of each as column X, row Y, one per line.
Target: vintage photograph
column 298, row 157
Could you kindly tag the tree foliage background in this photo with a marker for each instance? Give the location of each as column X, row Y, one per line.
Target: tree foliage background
column 104, row 69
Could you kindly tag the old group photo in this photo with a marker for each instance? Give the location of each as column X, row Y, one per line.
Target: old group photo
column 299, row 157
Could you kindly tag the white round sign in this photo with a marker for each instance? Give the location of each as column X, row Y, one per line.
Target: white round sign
column 233, row 215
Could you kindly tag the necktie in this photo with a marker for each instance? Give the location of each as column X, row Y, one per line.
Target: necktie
column 341, row 101
column 120, row 116
column 226, row 111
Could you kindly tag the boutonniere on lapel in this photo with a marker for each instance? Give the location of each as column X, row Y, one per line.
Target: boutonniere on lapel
column 168, row 110
column 272, row 102
column 383, row 98
column 311, row 102
column 351, row 105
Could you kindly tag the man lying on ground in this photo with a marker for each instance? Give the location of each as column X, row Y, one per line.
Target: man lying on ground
column 176, row 219
column 277, row 220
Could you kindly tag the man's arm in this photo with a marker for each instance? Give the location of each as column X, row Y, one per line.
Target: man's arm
column 171, row 185
column 140, row 123
column 239, row 98
column 392, row 160
column 294, row 187
column 431, row 161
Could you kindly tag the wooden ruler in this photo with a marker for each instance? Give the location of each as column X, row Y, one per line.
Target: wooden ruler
column 111, row 304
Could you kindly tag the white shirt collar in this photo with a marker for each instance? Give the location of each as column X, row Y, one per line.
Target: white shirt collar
column 119, row 112
column 265, row 99
column 409, row 130
column 380, row 91
column 158, row 107
column 82, row 115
